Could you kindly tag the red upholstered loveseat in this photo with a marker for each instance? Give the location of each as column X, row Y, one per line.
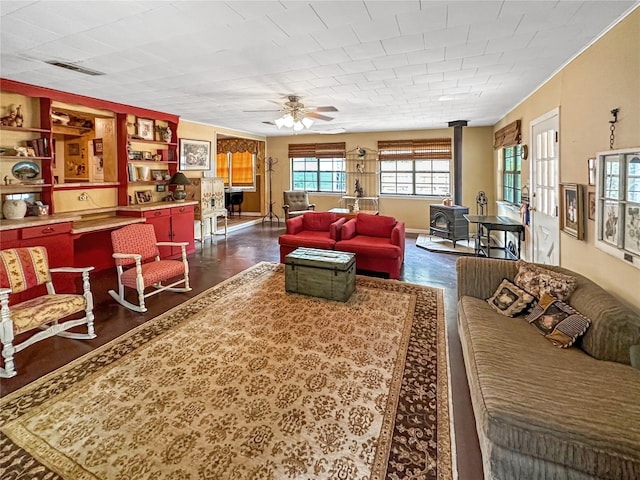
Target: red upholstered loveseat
column 310, row 230
column 378, row 242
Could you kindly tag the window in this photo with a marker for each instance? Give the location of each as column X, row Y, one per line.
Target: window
column 415, row 167
column 318, row 167
column 236, row 161
column 511, row 175
column 618, row 204
column 236, row 168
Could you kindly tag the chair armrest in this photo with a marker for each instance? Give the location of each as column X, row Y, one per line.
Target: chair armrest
column 312, row 206
column 172, row 244
column 398, row 236
column 348, row 229
column 335, row 229
column 134, row 256
column 294, row 225
column 70, row 269
column 286, row 208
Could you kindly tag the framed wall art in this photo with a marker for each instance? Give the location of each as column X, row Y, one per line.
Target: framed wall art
column 572, row 210
column 591, row 205
column 195, row 154
column 143, row 196
column 591, row 166
column 144, row 128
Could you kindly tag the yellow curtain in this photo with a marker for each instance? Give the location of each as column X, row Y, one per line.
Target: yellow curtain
column 222, row 167
column 242, row 167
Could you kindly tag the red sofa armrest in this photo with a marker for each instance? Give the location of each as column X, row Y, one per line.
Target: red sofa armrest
column 336, row 228
column 294, row 225
column 398, row 236
column 348, row 230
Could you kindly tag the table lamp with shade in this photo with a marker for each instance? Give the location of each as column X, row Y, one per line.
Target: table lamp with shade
column 179, row 179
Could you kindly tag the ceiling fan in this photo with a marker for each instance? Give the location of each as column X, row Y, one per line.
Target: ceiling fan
column 296, row 115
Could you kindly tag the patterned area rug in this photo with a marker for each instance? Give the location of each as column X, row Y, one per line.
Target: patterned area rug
column 246, row 381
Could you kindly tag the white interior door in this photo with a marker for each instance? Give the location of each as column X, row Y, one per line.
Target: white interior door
column 545, row 222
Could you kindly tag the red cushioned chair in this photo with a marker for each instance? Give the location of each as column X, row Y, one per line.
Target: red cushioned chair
column 23, row 269
column 138, row 263
column 310, row 230
column 378, row 242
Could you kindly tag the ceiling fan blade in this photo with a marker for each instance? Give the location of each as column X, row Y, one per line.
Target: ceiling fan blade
column 317, row 116
column 325, row 109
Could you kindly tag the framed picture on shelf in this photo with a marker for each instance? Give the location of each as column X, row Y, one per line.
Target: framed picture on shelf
column 591, row 206
column 161, row 187
column 147, row 156
column 143, row 196
column 572, row 210
column 145, row 128
column 195, row 154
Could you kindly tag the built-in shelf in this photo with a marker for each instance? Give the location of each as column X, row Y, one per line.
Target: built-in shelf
column 156, row 142
column 84, row 185
column 68, row 130
column 23, row 129
column 22, row 158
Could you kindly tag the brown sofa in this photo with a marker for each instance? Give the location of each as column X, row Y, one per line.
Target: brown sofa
column 543, row 412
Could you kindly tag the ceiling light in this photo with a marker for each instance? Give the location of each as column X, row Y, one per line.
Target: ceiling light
column 295, row 120
column 288, row 120
column 73, row 67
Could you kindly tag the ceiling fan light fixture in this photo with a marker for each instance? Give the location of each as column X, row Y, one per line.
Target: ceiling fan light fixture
column 288, row 120
column 298, row 126
column 307, row 122
column 279, row 122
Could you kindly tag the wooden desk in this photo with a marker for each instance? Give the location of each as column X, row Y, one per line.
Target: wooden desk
column 349, row 214
column 486, row 223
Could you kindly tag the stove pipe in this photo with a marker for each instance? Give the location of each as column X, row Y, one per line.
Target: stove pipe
column 457, row 159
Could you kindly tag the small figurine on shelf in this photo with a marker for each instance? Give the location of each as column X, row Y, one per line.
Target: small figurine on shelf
column 19, row 119
column 9, row 120
column 165, row 133
column 359, row 191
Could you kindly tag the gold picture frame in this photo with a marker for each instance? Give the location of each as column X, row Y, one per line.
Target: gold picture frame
column 143, row 196
column 572, row 210
column 145, row 128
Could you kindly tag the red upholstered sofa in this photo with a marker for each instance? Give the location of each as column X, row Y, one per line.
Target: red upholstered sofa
column 311, row 230
column 378, row 242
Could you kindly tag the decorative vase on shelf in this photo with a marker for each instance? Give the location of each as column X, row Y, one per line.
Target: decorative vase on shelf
column 166, row 135
column 14, row 209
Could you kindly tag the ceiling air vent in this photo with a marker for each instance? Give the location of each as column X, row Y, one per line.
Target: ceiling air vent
column 75, row 68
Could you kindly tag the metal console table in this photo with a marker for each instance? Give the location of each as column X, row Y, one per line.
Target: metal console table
column 487, row 223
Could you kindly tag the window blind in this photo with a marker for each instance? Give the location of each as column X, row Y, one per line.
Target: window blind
column 317, row 150
column 507, row 136
column 422, row 149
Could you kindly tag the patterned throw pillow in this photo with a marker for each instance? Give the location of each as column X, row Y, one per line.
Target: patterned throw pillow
column 510, row 300
column 557, row 321
column 538, row 281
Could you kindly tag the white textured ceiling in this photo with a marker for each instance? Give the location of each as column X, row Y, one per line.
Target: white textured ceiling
column 385, row 65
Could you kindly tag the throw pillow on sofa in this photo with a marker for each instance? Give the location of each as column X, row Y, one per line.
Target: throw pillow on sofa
column 509, row 299
column 557, row 321
column 538, row 281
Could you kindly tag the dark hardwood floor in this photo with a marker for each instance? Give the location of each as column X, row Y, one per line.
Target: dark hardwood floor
column 219, row 259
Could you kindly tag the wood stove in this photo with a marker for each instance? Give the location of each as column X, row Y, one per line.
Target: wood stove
column 448, row 222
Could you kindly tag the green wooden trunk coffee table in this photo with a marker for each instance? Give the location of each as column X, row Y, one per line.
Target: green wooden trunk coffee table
column 321, row 273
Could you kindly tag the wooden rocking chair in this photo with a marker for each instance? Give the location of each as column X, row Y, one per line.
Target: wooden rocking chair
column 22, row 269
column 139, row 266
